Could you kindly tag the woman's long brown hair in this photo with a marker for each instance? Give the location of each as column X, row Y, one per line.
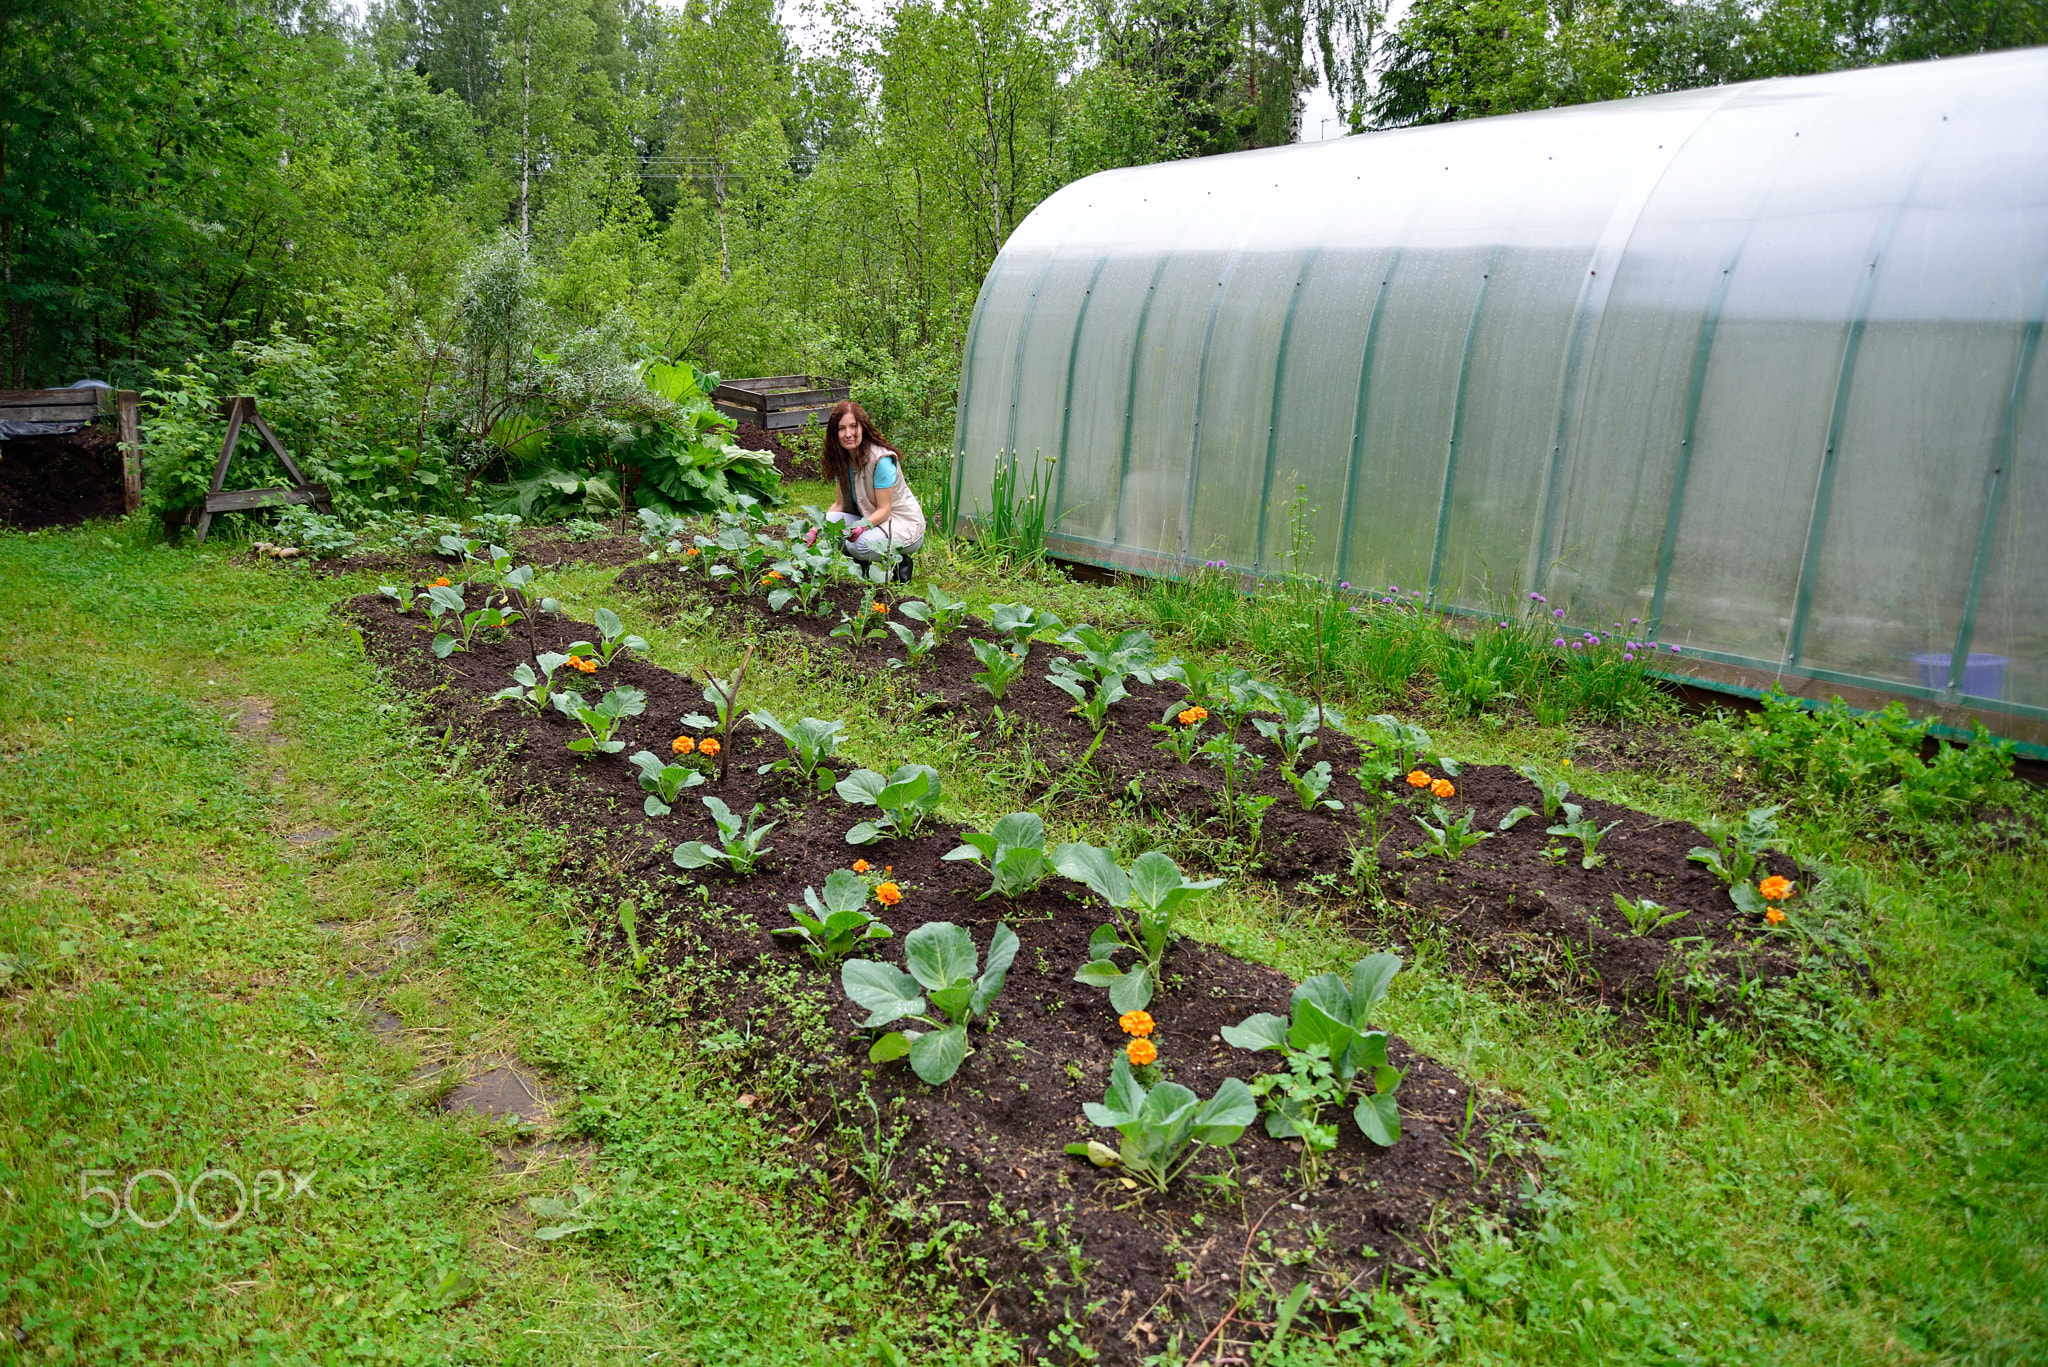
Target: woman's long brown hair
column 837, row 460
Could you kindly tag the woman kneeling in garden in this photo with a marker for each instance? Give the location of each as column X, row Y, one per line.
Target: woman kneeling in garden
column 869, row 474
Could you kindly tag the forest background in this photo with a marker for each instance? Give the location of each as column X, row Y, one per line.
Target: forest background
column 420, row 229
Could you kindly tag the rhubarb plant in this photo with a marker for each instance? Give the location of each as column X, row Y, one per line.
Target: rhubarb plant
column 904, row 800
column 741, row 844
column 601, row 722
column 1160, row 1125
column 941, row 960
column 663, row 781
column 1013, row 854
column 1149, row 896
column 811, row 742
column 1333, row 1016
column 1000, row 666
column 837, row 923
column 536, row 690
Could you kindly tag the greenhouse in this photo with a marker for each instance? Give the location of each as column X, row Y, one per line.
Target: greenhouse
column 1757, row 365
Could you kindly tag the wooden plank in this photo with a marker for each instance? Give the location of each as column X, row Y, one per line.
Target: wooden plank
column 99, row 400
column 244, row 500
column 738, row 414
column 235, row 409
column 50, row 412
column 759, row 383
column 806, row 398
column 789, row 419
column 129, row 416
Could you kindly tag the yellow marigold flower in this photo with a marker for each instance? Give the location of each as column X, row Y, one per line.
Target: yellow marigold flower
column 1418, row 779
column 860, row 866
column 1443, row 787
column 1141, row 1052
column 888, row 868
column 1137, row 1023
column 1776, row 888
column 1774, row 916
column 442, row 582
column 1193, row 715
column 888, row 894
column 683, row 745
column 707, row 747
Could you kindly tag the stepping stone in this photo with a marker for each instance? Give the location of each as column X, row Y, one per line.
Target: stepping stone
column 503, row 1091
column 312, row 835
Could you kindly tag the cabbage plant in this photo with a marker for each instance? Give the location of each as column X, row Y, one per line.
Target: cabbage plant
column 941, row 961
column 1013, row 853
column 1150, row 895
column 838, row 922
column 1160, row 1125
column 905, row 799
column 1331, row 1019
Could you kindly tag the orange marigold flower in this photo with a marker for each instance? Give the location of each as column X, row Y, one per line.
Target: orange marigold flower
column 583, row 665
column 683, row 745
column 881, row 607
column 1137, row 1023
column 1776, row 888
column 888, row 894
column 1774, row 916
column 693, row 550
column 707, row 747
column 1443, row 787
column 888, row 868
column 860, row 866
column 442, row 582
column 1193, row 715
column 1418, row 779
column 1141, row 1052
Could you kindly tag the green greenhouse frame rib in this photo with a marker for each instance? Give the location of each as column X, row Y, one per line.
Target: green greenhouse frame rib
column 1731, row 367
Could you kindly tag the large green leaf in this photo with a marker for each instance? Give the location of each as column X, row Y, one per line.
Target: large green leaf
column 1002, row 952
column 884, row 990
column 861, row 787
column 939, row 954
column 1223, row 1117
column 936, row 1056
column 1263, row 1031
column 1132, row 991
column 1379, row 1119
column 695, row 854
column 1019, row 829
column 1154, row 878
column 977, row 847
column 845, row 891
column 1094, row 867
column 1329, row 992
column 1122, row 1102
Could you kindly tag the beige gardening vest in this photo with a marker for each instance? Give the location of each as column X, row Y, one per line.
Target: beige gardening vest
column 905, row 527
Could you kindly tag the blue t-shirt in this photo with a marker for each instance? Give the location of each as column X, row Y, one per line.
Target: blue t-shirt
column 885, row 473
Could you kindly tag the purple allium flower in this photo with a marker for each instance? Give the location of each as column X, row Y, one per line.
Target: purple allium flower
column 1345, row 585
column 1578, row 645
column 1557, row 613
column 1674, row 650
column 1635, row 621
column 1558, row 642
column 1630, row 658
column 1538, row 598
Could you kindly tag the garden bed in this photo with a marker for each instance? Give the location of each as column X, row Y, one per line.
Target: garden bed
column 1518, row 906
column 975, row 1169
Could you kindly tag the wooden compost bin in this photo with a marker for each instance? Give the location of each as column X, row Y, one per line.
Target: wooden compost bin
column 85, row 406
column 780, row 403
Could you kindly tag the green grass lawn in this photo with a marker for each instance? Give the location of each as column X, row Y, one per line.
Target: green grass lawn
column 224, row 845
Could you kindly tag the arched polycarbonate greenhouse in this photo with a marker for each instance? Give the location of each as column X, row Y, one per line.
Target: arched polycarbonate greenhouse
column 1759, row 365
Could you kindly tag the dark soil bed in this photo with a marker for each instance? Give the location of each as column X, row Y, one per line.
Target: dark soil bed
column 1505, row 908
column 975, row 1169
column 54, row 481
column 790, row 461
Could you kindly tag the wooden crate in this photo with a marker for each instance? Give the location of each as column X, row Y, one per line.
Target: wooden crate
column 83, row 406
column 780, row 403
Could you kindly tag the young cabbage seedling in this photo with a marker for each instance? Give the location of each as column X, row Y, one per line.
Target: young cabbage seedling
column 1586, row 831
column 1328, row 1013
column 811, row 742
column 1297, row 727
column 1150, row 895
column 1161, row 1124
column 663, row 782
column 1645, row 916
column 612, row 639
column 864, row 624
column 739, row 845
column 1311, row 785
column 444, row 600
column 1013, row 853
column 916, row 645
column 1452, row 838
column 601, row 721
column 1737, row 851
column 837, row 923
column 535, row 690
column 1017, row 623
column 1393, row 748
column 723, row 694
column 941, row 959
column 939, row 610
column 905, row 799
column 1000, row 666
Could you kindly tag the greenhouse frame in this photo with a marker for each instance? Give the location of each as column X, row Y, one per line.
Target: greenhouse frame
column 1757, row 365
